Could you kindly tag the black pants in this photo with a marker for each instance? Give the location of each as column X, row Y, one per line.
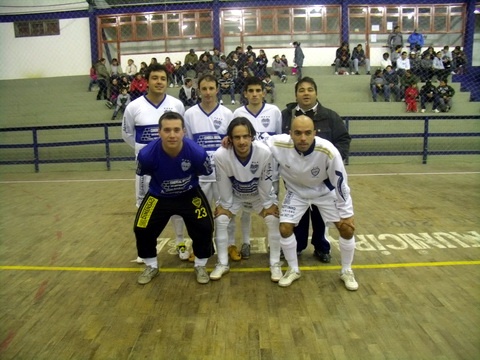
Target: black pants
column 318, row 235
column 102, row 89
column 154, row 213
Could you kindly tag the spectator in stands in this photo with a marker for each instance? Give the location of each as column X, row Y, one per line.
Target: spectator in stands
column 93, row 77
column 459, row 60
column 191, row 60
column 240, row 82
column 385, row 61
column 396, row 54
column 250, row 52
column 232, row 61
column 131, row 69
column 416, row 41
column 445, row 95
column 429, row 93
column 170, row 69
column 283, row 59
column 407, row 80
column 153, row 61
column 143, row 68
column 115, row 69
column 121, row 102
column 114, row 92
column 439, row 68
column 216, row 56
column 392, row 80
column 179, row 73
column 411, row 95
column 250, row 66
column 102, row 78
column 278, row 68
column 138, row 87
column 359, row 58
column 124, row 82
column 222, row 63
column 269, row 87
column 395, row 38
column 188, row 94
column 403, row 64
column 298, row 59
column 342, row 59
column 426, row 68
column 447, row 58
column 415, row 63
column 262, row 62
column 378, row 85
column 430, row 52
column 202, row 67
column 241, row 58
column 226, row 86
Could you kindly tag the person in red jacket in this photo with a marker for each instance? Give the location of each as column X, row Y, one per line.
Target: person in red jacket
column 138, row 87
column 411, row 95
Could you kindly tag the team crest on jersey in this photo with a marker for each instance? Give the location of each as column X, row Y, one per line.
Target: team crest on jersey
column 197, row 202
column 265, row 122
column 315, row 171
column 254, row 167
column 186, row 164
column 217, row 123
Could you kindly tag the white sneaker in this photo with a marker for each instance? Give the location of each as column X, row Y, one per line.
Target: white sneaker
column 346, row 73
column 219, row 270
column 276, row 272
column 171, row 85
column 289, row 277
column 182, row 251
column 233, row 102
column 336, row 72
column 349, row 279
column 221, row 102
column 436, row 110
column 423, row 110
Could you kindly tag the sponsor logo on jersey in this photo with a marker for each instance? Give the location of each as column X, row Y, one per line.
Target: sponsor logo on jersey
column 186, row 164
column 147, row 211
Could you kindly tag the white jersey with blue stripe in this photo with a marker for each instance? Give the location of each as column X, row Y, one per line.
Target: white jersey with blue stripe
column 208, row 129
column 267, row 122
column 140, row 120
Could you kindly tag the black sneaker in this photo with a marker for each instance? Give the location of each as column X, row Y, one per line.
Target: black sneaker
column 323, row 257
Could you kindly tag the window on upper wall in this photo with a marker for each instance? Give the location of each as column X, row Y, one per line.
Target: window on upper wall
column 36, row 28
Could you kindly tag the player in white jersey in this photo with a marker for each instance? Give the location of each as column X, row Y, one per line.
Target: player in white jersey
column 140, row 127
column 267, row 121
column 206, row 123
column 306, row 161
column 244, row 177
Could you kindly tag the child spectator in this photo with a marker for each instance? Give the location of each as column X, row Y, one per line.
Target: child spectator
column 138, row 87
column 445, row 95
column 93, row 77
column 429, row 93
column 170, row 70
column 407, row 80
column 411, row 94
column 459, row 60
column 392, row 81
column 386, row 61
column 187, row 93
column 278, row 67
column 114, row 92
column 124, row 82
column 284, row 60
column 115, row 69
column 269, row 87
column 179, row 73
column 122, row 101
column 131, row 69
column 342, row 59
column 377, row 85
column 143, row 68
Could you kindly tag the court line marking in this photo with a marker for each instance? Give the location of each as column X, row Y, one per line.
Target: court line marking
column 254, row 269
column 350, row 175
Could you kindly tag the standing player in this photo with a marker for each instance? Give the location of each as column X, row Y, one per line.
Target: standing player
column 306, row 161
column 266, row 120
column 329, row 126
column 244, row 177
column 174, row 164
column 140, row 127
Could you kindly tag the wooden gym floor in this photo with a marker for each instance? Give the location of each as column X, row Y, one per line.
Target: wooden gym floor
column 69, row 291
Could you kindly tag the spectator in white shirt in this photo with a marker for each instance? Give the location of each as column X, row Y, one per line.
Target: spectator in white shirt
column 403, row 63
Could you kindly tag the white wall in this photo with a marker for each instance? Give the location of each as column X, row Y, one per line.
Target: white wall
column 46, row 56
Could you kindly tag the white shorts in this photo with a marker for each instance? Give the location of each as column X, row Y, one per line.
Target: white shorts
column 294, row 207
column 255, row 206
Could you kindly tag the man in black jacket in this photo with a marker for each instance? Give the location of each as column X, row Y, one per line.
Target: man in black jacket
column 330, row 126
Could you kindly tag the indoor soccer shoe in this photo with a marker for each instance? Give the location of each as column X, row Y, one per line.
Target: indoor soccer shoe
column 349, row 280
column 245, row 251
column 202, row 275
column 289, row 277
column 276, row 272
column 147, row 275
column 219, row 270
column 233, row 253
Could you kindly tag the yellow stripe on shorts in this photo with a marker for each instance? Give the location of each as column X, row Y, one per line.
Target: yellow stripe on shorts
column 146, row 213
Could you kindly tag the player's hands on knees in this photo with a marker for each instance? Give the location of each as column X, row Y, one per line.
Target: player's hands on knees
column 272, row 210
column 346, row 227
column 221, row 211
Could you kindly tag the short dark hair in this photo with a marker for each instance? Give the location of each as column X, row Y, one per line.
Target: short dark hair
column 241, row 121
column 208, row 77
column 170, row 115
column 155, row 67
column 253, row 80
column 308, row 80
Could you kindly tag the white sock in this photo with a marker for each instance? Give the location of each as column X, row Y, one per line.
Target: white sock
column 178, row 226
column 231, row 231
column 245, row 221
column 347, row 250
column 272, row 223
column 221, row 238
column 289, row 247
column 200, row 262
column 153, row 262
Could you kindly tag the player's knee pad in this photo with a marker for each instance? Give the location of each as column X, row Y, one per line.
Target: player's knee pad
column 221, row 222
